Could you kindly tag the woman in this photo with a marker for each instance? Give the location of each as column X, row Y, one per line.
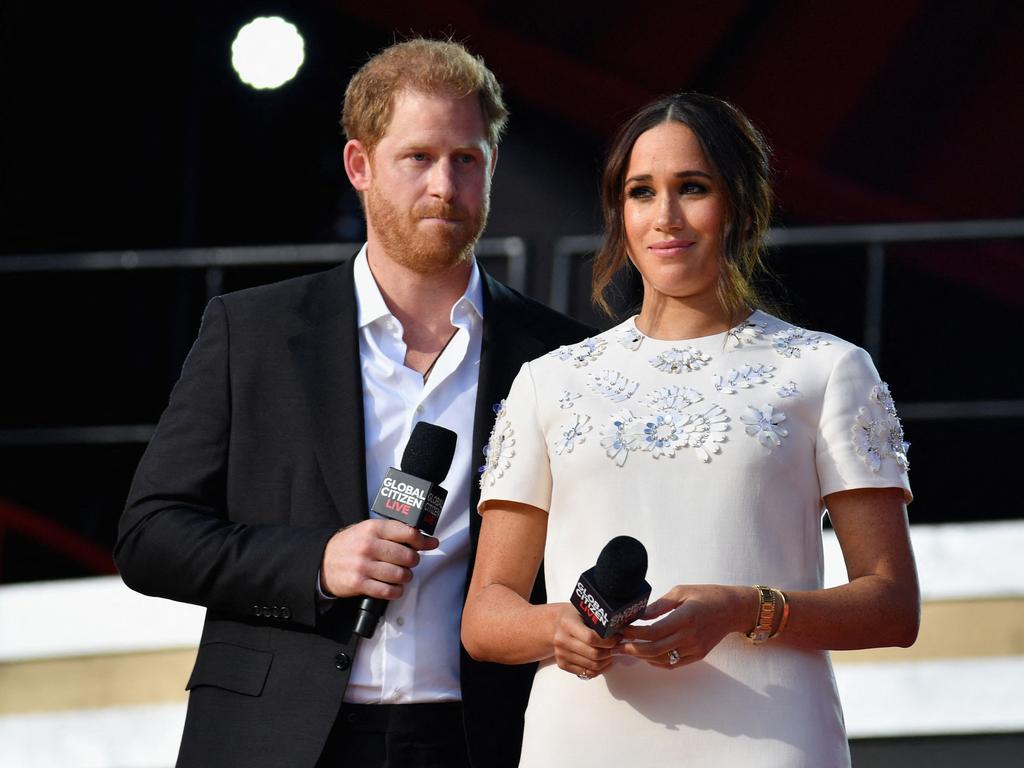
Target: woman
column 716, row 434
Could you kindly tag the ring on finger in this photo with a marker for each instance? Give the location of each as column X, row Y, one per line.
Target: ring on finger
column 585, row 675
column 673, row 657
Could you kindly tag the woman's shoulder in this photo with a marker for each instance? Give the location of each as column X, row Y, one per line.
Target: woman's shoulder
column 787, row 339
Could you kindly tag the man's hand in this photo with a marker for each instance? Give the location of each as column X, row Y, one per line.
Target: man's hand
column 373, row 558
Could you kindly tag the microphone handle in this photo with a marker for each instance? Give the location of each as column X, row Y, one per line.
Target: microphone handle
column 370, row 611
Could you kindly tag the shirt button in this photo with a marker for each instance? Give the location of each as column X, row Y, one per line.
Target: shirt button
column 419, row 410
column 397, row 695
column 400, row 621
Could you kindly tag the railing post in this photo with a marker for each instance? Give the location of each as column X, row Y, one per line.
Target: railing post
column 873, row 300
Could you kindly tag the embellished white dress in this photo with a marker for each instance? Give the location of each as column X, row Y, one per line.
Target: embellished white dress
column 715, row 453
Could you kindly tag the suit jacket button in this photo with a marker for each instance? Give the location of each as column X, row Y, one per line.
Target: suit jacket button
column 266, row 611
column 342, row 661
column 276, row 612
column 285, row 613
column 256, row 609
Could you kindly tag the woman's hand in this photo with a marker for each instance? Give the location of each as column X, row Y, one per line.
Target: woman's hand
column 578, row 648
column 696, row 618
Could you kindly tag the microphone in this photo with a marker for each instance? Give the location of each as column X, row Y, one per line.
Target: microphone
column 412, row 495
column 614, row 592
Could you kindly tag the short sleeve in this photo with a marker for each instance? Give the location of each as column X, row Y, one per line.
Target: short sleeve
column 516, row 465
column 860, row 438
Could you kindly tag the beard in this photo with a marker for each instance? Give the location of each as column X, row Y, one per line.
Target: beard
column 427, row 250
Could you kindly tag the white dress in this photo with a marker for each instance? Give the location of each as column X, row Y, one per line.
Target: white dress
column 715, row 453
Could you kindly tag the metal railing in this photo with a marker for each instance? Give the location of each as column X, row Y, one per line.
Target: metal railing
column 568, row 251
column 509, row 252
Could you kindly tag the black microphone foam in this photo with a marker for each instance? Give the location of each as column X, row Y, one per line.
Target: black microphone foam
column 614, row 592
column 412, row 495
column 429, row 452
column 621, row 568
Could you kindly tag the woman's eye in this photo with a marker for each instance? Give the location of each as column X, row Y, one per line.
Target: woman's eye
column 693, row 188
column 639, row 193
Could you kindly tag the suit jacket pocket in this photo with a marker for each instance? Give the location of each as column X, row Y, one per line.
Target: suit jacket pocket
column 232, row 667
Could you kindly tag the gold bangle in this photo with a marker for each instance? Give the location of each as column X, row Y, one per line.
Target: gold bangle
column 765, row 615
column 785, row 613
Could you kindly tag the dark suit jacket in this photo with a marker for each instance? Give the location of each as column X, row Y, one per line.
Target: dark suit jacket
column 257, row 461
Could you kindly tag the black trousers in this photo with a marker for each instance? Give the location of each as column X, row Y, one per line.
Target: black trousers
column 397, row 736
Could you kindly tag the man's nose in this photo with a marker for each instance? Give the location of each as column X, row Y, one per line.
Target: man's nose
column 442, row 181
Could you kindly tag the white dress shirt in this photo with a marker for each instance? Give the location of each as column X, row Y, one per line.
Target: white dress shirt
column 414, row 654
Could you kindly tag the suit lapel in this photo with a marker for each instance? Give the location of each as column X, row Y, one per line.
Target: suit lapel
column 326, row 357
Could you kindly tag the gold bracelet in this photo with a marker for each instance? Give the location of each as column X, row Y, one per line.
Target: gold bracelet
column 765, row 615
column 785, row 613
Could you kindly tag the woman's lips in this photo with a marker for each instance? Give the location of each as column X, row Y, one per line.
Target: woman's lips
column 669, row 247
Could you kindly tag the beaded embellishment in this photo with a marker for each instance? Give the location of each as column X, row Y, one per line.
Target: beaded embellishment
column 879, row 436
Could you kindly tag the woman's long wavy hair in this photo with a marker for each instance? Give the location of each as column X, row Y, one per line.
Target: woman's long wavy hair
column 742, row 158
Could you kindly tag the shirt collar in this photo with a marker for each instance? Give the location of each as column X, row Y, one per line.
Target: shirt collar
column 370, row 302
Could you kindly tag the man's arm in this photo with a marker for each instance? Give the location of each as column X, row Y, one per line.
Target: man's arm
column 175, row 539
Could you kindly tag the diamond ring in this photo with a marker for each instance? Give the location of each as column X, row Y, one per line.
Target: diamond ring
column 673, row 657
column 584, row 675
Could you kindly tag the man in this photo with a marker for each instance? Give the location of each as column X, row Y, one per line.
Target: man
column 252, row 497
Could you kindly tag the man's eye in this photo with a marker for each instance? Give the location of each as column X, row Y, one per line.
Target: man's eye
column 419, row 156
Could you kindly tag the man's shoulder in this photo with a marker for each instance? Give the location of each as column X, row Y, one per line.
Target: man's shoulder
column 532, row 317
column 318, row 294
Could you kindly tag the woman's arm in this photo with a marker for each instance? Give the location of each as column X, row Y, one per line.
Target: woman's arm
column 880, row 606
column 499, row 623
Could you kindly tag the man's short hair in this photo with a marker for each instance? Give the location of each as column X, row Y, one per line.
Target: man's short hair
column 435, row 67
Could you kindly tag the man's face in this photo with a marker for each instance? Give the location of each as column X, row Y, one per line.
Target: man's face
column 428, row 182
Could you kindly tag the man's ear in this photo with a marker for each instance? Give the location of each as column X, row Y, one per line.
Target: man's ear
column 494, row 160
column 357, row 165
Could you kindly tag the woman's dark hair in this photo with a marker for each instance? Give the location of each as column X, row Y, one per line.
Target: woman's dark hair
column 740, row 155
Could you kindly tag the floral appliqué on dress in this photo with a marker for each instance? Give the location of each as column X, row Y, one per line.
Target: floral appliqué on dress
column 745, row 333
column 500, row 448
column 612, row 385
column 788, row 342
column 566, row 399
column 672, row 398
column 631, row 339
column 765, row 424
column 744, row 378
column 676, row 360
column 572, row 434
column 668, row 431
column 877, row 439
column 582, row 354
column 787, row 390
column 619, row 437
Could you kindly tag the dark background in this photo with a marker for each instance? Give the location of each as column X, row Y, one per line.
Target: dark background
column 125, row 128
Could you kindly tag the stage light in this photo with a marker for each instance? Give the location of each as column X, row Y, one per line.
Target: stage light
column 267, row 52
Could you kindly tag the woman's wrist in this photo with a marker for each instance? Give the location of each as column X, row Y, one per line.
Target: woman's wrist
column 746, row 606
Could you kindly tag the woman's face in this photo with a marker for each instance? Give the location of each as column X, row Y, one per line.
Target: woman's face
column 674, row 214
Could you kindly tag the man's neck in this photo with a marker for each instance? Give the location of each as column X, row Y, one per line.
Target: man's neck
column 422, row 303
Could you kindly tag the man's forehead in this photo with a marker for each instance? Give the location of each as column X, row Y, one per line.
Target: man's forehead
column 422, row 112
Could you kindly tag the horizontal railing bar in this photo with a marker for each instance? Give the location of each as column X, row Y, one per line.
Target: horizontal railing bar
column 513, row 248
column 983, row 229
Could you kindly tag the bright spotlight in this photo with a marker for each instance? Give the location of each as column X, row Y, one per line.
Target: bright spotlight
column 267, row 52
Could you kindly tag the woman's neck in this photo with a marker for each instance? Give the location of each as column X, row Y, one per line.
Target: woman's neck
column 668, row 318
